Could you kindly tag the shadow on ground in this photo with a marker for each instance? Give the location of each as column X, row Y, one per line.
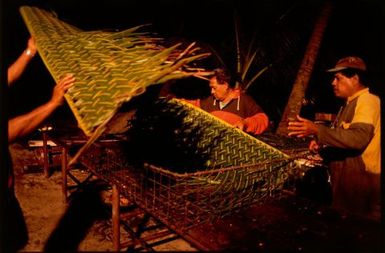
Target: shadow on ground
column 85, row 208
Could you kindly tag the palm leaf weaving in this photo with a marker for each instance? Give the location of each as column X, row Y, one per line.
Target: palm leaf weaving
column 110, row 68
column 197, row 167
column 201, row 154
column 182, row 138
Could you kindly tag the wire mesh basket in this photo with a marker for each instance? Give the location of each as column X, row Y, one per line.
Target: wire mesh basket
column 186, row 167
column 183, row 200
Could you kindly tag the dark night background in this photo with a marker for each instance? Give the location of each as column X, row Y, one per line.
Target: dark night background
column 281, row 29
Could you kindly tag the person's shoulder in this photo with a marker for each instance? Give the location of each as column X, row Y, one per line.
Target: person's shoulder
column 246, row 97
column 207, row 100
column 369, row 99
column 370, row 96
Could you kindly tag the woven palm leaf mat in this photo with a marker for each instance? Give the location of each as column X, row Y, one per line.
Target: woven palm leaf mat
column 110, row 67
column 196, row 166
column 177, row 136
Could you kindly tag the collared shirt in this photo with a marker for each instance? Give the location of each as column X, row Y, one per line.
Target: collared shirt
column 241, row 107
column 358, row 132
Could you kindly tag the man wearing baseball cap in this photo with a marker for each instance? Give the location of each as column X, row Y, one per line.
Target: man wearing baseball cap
column 352, row 145
column 352, row 62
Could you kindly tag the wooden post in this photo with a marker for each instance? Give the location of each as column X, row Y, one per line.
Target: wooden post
column 45, row 153
column 64, row 172
column 115, row 218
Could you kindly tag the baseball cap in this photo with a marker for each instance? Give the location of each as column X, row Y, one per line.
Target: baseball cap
column 352, row 62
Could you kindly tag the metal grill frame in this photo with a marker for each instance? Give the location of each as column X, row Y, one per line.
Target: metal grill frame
column 182, row 201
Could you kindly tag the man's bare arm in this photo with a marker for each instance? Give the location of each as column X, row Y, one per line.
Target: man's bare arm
column 26, row 123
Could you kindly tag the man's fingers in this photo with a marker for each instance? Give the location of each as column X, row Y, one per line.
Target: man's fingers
column 296, row 128
column 67, row 76
column 295, row 124
column 295, row 133
column 68, row 79
column 67, row 86
column 301, row 119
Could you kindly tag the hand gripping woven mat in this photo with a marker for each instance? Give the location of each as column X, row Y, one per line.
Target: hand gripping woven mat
column 110, row 67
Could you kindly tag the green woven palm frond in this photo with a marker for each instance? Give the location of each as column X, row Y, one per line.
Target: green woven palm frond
column 110, row 68
column 214, row 165
column 192, row 128
column 228, row 146
column 180, row 161
column 183, row 138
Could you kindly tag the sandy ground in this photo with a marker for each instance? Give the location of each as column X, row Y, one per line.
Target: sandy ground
column 82, row 224
column 45, row 211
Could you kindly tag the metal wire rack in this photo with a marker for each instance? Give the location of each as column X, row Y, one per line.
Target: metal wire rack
column 183, row 200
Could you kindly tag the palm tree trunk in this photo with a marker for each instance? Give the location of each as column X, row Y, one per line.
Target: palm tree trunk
column 294, row 103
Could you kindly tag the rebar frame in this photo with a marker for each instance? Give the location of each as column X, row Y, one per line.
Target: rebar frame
column 182, row 201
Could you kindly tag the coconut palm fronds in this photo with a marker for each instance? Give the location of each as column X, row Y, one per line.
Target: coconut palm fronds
column 110, row 67
column 181, row 137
